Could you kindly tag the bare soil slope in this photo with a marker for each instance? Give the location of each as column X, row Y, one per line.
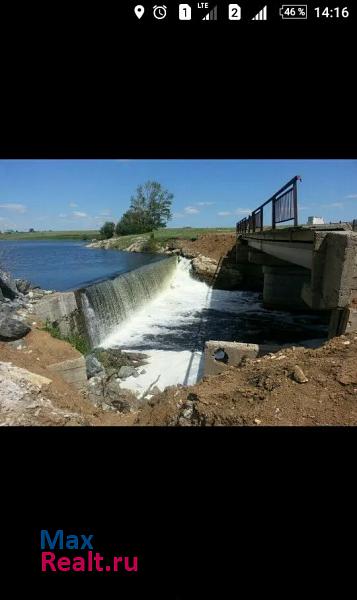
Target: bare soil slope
column 212, row 245
column 269, row 391
column 38, row 350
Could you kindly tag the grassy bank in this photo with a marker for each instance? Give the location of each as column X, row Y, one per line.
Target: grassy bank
column 162, row 235
column 51, row 235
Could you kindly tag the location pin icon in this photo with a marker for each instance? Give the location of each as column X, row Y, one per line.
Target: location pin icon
column 139, row 11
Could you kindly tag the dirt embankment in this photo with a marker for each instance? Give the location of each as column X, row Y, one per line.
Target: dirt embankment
column 211, row 245
column 295, row 386
column 69, row 406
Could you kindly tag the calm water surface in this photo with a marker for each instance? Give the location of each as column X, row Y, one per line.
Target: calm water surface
column 64, row 265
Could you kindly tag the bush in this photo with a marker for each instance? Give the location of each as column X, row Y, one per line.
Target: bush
column 131, row 223
column 75, row 339
column 150, row 246
column 107, row 230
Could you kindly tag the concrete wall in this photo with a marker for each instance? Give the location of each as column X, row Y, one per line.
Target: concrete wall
column 73, row 371
column 59, row 309
column 330, row 282
column 283, row 286
column 220, row 355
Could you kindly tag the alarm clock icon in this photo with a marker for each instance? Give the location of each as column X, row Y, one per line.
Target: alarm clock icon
column 160, row 12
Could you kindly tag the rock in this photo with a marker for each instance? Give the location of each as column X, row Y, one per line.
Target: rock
column 204, row 268
column 12, row 329
column 73, row 371
column 8, row 285
column 18, row 375
column 100, row 390
column 18, row 344
column 125, row 372
column 257, row 421
column 137, row 245
column 23, row 285
column 1, row 296
column 299, row 375
column 111, row 358
column 93, row 366
column 134, row 356
column 123, row 400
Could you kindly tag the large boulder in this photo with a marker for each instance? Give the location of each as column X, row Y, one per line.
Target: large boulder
column 204, row 268
column 8, row 285
column 93, row 366
column 12, row 329
column 23, row 286
column 73, row 371
column 127, row 371
column 109, row 395
column 113, row 359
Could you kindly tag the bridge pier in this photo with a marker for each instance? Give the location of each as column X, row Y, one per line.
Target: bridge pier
column 283, row 286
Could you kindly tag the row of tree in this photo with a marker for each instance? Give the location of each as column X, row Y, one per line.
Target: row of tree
column 149, row 209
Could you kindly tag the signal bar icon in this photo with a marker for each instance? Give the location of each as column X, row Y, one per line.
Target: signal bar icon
column 261, row 15
column 211, row 15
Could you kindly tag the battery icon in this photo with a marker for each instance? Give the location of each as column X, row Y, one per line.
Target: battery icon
column 293, row 11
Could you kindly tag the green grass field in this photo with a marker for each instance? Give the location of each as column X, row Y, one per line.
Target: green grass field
column 161, row 235
column 51, row 235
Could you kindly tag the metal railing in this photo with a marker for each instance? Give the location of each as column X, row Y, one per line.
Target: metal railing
column 284, row 208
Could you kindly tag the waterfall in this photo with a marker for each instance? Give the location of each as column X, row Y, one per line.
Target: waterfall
column 108, row 303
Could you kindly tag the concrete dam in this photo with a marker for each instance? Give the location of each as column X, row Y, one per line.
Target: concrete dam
column 95, row 310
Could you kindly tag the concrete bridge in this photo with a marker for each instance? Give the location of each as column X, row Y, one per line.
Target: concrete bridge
column 306, row 267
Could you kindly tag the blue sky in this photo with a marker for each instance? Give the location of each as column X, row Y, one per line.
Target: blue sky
column 82, row 194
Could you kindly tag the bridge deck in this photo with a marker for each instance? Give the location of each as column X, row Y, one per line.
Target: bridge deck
column 292, row 244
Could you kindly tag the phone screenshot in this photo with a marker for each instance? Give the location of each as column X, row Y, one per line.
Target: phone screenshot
column 178, row 300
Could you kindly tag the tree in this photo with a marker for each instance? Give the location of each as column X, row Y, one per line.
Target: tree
column 107, row 230
column 131, row 223
column 149, row 209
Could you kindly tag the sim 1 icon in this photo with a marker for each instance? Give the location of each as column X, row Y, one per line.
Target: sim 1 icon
column 184, row 12
column 234, row 12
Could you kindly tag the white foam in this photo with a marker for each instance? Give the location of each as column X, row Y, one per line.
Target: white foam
column 176, row 319
column 182, row 301
column 165, row 368
column 179, row 305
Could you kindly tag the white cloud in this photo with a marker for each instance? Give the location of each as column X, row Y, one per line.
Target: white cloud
column 19, row 208
column 72, row 205
column 62, row 216
column 333, row 205
column 79, row 215
column 351, row 196
column 242, row 211
column 224, row 213
column 191, row 210
column 205, row 203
